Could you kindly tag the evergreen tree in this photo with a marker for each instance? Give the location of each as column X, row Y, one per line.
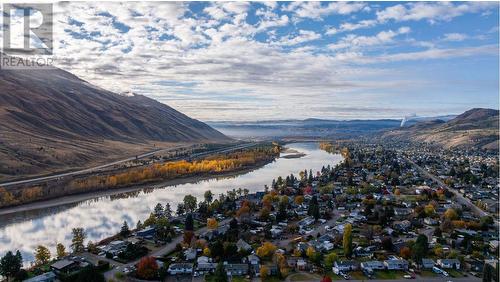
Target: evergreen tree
column 158, row 210
column 125, row 231
column 10, row 264
column 78, row 239
column 189, row 224
column 347, row 240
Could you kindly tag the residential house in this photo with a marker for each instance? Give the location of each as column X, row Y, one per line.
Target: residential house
column 242, row 245
column 190, row 254
column 396, row 264
column 428, row 263
column 180, row 268
column 236, row 269
column 373, row 265
column 302, row 265
column 449, row 263
column 65, row 266
column 344, row 266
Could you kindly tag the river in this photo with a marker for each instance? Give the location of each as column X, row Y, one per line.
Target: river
column 103, row 216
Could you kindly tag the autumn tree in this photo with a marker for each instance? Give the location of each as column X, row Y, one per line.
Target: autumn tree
column 310, row 252
column 264, row 272
column 326, row 279
column 405, row 252
column 299, row 200
column 347, row 240
column 330, row 259
column 147, row 268
column 61, row 251
column 78, row 239
column 212, row 223
column 266, row 250
column 42, row 255
column 451, row 214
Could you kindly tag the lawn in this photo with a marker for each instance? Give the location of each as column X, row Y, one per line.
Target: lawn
column 454, row 273
column 357, row 275
column 388, row 274
column 303, row 277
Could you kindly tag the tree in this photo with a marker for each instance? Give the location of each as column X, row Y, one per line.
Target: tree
column 180, row 209
column 151, row 220
column 158, row 210
column 330, row 260
column 162, row 228
column 450, row 214
column 208, row 196
column 347, row 240
column 168, row 210
column 266, row 250
column 212, row 223
column 207, row 252
column 310, row 252
column 299, row 200
column 189, row 224
column 42, row 255
column 220, row 274
column 420, row 248
column 91, row 247
column 147, row 268
column 139, row 225
column 61, row 251
column 264, row 272
column 78, row 239
column 397, row 192
column 10, row 264
column 387, row 243
column 125, row 231
column 313, row 208
column 405, row 252
column 190, row 202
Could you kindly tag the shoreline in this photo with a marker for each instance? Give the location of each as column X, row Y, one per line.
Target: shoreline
column 75, row 198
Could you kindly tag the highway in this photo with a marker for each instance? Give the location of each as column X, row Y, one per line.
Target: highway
column 107, row 165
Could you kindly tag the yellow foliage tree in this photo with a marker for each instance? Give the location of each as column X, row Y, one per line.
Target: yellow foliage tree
column 266, row 250
column 212, row 223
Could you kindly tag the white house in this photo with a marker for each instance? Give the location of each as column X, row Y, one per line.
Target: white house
column 344, row 266
column 396, row 264
column 373, row 265
column 449, row 263
column 180, row 268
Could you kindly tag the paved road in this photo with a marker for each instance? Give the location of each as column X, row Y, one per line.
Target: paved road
column 459, row 198
column 91, row 169
column 100, row 167
column 158, row 253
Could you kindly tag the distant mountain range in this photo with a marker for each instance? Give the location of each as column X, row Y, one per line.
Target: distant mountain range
column 313, row 127
column 476, row 128
column 51, row 119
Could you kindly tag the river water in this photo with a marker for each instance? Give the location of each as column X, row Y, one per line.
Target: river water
column 103, row 216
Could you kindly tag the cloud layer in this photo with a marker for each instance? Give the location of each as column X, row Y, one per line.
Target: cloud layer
column 248, row 61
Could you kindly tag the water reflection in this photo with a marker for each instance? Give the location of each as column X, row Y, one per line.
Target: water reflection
column 103, row 216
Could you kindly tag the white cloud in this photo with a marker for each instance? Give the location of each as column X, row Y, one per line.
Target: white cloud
column 352, row 41
column 433, row 12
column 303, row 36
column 454, row 37
column 317, row 10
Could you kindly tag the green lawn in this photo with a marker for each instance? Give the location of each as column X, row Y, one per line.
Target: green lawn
column 357, row 275
column 388, row 274
column 454, row 273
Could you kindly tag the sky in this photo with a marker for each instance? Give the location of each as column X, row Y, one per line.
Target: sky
column 247, row 61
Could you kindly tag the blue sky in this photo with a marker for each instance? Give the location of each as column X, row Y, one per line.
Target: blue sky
column 267, row 60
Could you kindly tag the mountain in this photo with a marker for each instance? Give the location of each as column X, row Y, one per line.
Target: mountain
column 52, row 120
column 475, row 128
column 308, row 128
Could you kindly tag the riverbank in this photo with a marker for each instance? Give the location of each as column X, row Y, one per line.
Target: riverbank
column 75, row 198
